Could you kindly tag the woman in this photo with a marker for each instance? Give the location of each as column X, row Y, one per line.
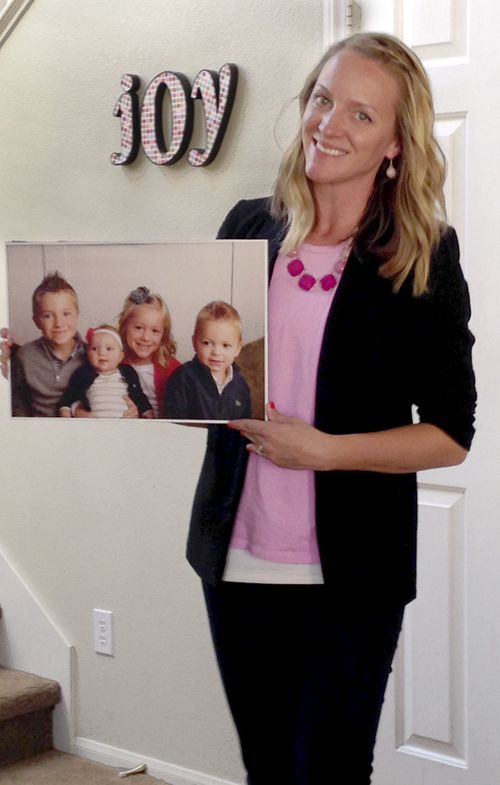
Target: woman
column 304, row 527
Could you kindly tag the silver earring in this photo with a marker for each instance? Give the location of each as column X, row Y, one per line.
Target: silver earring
column 391, row 171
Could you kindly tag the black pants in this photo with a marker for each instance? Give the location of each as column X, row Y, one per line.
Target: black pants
column 304, row 677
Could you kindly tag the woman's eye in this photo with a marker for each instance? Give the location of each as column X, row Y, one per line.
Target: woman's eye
column 320, row 100
column 363, row 116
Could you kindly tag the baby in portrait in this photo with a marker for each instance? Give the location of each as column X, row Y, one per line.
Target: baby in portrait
column 101, row 386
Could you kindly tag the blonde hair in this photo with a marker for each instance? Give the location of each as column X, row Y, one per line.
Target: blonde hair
column 404, row 217
column 218, row 310
column 142, row 296
column 51, row 284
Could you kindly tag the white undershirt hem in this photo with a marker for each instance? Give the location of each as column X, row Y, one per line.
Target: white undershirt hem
column 243, row 567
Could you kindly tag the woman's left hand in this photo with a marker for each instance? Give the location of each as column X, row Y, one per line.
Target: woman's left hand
column 286, row 441
column 293, row 444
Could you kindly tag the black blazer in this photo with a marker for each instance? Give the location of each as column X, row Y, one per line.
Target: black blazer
column 381, row 354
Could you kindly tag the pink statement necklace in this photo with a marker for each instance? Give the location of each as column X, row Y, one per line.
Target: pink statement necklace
column 327, row 282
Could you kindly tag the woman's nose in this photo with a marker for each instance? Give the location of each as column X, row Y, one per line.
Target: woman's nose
column 331, row 123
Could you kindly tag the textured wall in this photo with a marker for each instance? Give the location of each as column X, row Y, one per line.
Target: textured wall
column 97, row 516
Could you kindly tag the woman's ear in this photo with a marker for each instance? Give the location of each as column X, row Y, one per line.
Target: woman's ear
column 394, row 149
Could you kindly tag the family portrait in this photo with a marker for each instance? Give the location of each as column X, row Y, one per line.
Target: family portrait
column 89, row 342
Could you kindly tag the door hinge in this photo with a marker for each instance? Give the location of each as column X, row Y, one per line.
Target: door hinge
column 352, row 18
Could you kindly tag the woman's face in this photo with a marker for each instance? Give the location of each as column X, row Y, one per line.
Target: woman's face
column 349, row 123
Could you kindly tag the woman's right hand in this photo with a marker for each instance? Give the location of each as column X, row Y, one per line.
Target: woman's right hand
column 5, row 345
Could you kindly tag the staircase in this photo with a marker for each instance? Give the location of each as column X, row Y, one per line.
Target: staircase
column 26, row 705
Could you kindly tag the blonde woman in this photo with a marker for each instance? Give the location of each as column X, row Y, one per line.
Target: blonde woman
column 304, row 526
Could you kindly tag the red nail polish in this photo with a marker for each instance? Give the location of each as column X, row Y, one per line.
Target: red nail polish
column 272, row 405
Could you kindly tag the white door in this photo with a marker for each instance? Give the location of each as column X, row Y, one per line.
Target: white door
column 441, row 720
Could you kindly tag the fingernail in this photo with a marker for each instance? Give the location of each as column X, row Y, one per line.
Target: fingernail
column 272, row 405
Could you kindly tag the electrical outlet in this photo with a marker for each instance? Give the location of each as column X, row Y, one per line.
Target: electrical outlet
column 103, row 631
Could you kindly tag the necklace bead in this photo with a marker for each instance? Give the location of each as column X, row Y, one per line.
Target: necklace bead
column 327, row 282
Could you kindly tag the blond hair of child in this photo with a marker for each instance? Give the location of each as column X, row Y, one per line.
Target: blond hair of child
column 218, row 310
column 142, row 296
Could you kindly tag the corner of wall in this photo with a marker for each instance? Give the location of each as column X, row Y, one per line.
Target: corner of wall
column 30, row 641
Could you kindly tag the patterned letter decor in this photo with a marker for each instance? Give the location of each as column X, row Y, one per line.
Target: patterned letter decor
column 127, row 109
column 181, row 118
column 216, row 91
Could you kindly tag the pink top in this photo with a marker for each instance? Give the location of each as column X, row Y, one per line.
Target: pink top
column 276, row 515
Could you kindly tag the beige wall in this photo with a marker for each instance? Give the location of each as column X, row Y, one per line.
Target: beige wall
column 101, row 521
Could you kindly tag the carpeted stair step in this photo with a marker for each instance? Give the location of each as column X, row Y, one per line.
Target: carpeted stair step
column 26, row 705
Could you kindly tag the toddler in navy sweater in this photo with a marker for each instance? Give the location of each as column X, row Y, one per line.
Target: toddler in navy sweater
column 210, row 386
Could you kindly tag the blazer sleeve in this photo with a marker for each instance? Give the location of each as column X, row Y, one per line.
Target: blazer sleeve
column 444, row 377
column 250, row 219
column 231, row 224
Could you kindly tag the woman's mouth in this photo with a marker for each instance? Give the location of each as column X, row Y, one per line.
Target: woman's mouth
column 334, row 152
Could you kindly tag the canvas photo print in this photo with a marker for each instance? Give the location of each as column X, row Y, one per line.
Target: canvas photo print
column 173, row 331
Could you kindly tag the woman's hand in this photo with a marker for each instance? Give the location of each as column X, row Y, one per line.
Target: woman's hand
column 5, row 351
column 293, row 444
column 286, row 441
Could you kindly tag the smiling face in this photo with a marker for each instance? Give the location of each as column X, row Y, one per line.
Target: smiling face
column 349, row 123
column 104, row 352
column 57, row 319
column 143, row 333
column 217, row 344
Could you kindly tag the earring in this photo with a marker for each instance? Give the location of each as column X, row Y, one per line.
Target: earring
column 391, row 171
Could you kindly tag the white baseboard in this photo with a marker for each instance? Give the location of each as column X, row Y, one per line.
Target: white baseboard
column 113, row 756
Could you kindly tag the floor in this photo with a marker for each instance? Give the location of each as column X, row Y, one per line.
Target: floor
column 58, row 768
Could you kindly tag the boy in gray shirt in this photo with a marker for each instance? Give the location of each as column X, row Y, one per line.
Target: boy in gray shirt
column 41, row 369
